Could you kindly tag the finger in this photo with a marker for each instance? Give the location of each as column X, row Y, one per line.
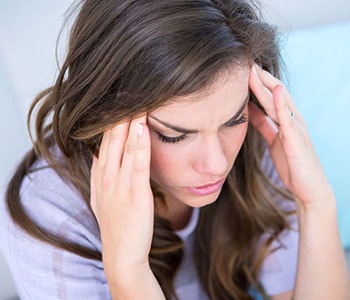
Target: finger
column 267, row 79
column 130, row 150
column 103, row 150
column 263, row 94
column 262, row 123
column 141, row 175
column 93, row 184
column 117, row 138
column 286, row 122
column 271, row 82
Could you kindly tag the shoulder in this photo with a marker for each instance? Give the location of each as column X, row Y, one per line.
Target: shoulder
column 57, row 207
column 54, row 203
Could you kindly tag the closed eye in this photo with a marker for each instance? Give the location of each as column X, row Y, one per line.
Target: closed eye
column 171, row 140
column 235, row 122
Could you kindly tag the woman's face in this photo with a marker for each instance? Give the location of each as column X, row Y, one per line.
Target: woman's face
column 195, row 139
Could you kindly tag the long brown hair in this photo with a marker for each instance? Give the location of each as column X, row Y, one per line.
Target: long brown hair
column 131, row 56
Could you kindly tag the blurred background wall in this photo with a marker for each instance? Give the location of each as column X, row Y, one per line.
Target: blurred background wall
column 315, row 43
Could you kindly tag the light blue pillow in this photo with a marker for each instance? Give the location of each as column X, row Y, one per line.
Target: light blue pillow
column 318, row 65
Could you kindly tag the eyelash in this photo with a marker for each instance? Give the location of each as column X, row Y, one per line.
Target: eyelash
column 173, row 140
column 234, row 123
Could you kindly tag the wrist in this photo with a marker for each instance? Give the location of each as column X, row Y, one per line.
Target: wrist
column 126, row 273
column 134, row 283
column 320, row 245
column 322, row 203
column 318, row 222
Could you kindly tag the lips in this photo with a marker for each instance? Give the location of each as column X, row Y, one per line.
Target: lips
column 206, row 189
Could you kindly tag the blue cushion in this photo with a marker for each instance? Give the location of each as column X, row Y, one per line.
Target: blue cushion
column 318, row 74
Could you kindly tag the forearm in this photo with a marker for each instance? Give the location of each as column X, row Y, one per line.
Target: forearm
column 122, row 201
column 322, row 272
column 139, row 284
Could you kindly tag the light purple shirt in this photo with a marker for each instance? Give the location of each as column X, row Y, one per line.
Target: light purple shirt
column 41, row 271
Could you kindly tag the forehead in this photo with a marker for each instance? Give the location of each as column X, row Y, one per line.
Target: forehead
column 217, row 102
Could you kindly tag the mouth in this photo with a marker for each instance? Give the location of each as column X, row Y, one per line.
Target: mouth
column 206, row 189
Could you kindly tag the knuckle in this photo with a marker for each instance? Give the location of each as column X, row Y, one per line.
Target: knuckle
column 141, row 147
column 115, row 135
column 133, row 148
column 130, row 148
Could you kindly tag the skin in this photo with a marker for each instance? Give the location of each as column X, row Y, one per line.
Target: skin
column 205, row 156
column 121, row 194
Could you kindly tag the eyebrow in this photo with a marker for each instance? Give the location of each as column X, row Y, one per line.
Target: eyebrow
column 189, row 131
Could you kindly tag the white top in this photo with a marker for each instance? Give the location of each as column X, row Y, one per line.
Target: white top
column 277, row 275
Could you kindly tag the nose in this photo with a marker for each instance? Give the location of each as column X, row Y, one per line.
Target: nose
column 210, row 158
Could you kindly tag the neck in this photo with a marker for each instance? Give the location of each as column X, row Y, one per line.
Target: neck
column 176, row 212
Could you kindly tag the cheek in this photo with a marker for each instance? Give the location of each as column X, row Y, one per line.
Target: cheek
column 234, row 137
column 233, row 140
column 242, row 133
column 171, row 163
column 166, row 162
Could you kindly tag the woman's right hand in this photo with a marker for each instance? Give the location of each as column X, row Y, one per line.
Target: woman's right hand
column 122, row 201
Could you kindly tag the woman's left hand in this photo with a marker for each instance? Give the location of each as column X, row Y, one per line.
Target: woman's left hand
column 290, row 146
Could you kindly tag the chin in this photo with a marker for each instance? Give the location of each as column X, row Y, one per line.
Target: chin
column 199, row 201
column 185, row 197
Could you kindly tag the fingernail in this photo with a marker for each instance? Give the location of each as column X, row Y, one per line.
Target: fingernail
column 254, row 70
column 139, row 129
column 282, row 89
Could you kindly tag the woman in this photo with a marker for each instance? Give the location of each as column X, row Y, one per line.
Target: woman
column 168, row 162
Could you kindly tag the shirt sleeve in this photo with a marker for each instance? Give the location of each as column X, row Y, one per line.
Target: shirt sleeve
column 39, row 270
column 279, row 269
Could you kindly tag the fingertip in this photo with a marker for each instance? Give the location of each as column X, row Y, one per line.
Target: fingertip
column 255, row 83
column 279, row 88
column 140, row 129
column 254, row 71
column 143, row 145
column 142, row 134
column 279, row 93
column 141, row 119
